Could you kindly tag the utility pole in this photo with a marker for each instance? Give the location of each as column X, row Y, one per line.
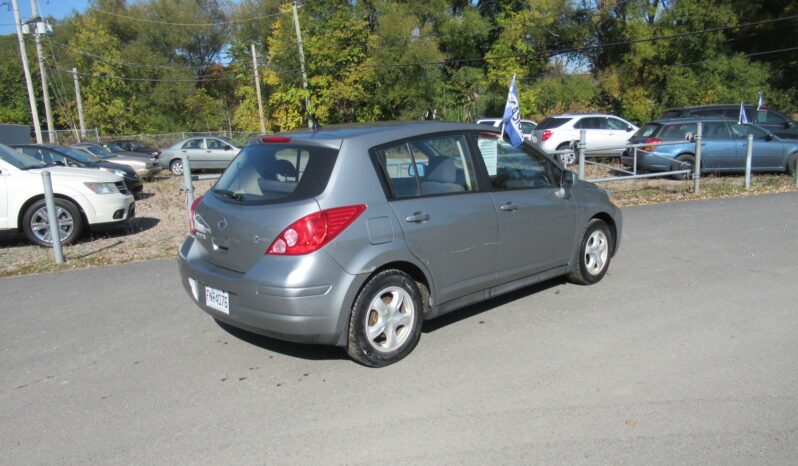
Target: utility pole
column 45, row 91
column 34, row 112
column 80, row 103
column 257, row 89
column 302, row 62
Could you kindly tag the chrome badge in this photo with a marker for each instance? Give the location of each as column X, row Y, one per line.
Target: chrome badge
column 222, row 223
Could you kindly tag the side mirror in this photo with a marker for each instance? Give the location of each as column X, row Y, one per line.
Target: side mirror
column 59, row 163
column 568, row 178
column 411, row 171
column 768, row 137
column 789, row 124
column 629, row 128
column 228, row 148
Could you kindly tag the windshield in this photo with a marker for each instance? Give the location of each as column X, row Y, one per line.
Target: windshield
column 18, row 159
column 98, row 152
column 552, row 122
column 80, row 156
column 112, row 147
column 647, row 131
column 269, row 173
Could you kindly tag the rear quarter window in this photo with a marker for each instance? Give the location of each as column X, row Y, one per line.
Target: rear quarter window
column 274, row 173
column 551, row 122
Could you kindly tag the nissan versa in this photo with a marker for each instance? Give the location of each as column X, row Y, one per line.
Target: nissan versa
column 353, row 235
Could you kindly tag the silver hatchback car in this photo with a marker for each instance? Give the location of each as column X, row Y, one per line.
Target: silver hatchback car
column 354, row 235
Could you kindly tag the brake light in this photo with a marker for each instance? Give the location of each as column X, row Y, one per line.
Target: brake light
column 650, row 140
column 191, row 225
column 547, row 134
column 313, row 231
column 274, row 139
column 157, row 153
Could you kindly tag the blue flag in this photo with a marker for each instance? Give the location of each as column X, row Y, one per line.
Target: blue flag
column 743, row 119
column 511, row 121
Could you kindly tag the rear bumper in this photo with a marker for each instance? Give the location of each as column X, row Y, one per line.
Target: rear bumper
column 647, row 161
column 313, row 312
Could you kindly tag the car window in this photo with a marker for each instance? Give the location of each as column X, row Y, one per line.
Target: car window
column 270, row 173
column 770, row 118
column 677, row 130
column 18, row 158
column 707, row 112
column 591, row 123
column 614, row 123
column 671, row 114
column 35, row 153
column 552, row 122
column 428, row 166
column 57, row 159
column 527, row 127
column 742, row 131
column 214, row 144
column 647, row 131
column 716, row 131
column 509, row 167
column 192, row 144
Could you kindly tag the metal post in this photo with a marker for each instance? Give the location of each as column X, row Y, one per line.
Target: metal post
column 34, row 112
column 257, row 90
column 697, row 167
column 42, row 71
column 581, row 150
column 188, row 186
column 79, row 101
column 795, row 171
column 55, row 230
column 748, row 153
column 302, row 62
column 634, row 160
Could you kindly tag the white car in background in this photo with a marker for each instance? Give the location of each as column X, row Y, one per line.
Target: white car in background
column 83, row 197
column 527, row 126
column 560, row 132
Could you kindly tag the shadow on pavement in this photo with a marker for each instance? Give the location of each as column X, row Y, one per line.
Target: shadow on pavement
column 296, row 350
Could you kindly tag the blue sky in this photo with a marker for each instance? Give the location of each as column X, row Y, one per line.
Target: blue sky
column 55, row 8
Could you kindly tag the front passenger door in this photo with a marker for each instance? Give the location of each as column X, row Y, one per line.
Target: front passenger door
column 536, row 227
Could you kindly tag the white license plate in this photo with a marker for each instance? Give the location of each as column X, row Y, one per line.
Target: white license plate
column 217, row 299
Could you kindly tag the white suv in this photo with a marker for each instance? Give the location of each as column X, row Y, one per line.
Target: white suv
column 602, row 131
column 82, row 197
column 527, row 126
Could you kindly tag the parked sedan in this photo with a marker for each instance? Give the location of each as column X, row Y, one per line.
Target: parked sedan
column 340, row 237
column 204, row 152
column 53, row 155
column 146, row 167
column 723, row 149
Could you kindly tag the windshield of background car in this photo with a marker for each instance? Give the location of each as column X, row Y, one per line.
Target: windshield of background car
column 671, row 114
column 527, row 127
column 112, row 148
column 551, row 122
column 78, row 155
column 97, row 152
column 647, row 131
column 18, row 159
column 272, row 173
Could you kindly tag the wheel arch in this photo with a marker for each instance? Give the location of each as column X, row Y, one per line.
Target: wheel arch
column 607, row 218
column 38, row 197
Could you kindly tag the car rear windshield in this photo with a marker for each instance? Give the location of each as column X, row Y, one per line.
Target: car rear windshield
column 551, row 122
column 274, row 173
column 647, row 131
column 671, row 114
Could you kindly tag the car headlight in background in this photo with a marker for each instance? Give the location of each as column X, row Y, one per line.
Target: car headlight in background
column 102, row 188
column 114, row 171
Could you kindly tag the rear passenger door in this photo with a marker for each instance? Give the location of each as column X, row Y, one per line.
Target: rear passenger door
column 536, row 227
column 449, row 224
column 194, row 148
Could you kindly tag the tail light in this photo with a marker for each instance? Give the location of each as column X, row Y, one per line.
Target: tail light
column 651, row 140
column 547, row 134
column 157, row 153
column 191, row 225
column 313, row 231
column 274, row 139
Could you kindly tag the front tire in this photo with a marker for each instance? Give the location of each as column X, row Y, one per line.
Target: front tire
column 386, row 319
column 791, row 164
column 595, row 252
column 36, row 225
column 176, row 167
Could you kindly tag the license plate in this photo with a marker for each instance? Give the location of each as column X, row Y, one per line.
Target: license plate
column 217, row 299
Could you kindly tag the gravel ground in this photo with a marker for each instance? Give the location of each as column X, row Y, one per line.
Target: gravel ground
column 160, row 225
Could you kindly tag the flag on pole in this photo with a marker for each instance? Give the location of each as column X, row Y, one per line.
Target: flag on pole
column 743, row 119
column 761, row 101
column 511, row 121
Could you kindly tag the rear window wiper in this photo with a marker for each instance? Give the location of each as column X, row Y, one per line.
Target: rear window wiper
column 231, row 194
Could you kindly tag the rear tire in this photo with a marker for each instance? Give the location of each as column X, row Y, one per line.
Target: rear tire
column 36, row 226
column 386, row 319
column 595, row 252
column 176, row 167
column 687, row 161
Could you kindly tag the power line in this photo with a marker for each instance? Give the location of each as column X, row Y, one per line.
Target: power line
column 184, row 24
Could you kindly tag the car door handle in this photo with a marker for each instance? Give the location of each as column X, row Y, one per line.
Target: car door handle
column 509, row 206
column 418, row 217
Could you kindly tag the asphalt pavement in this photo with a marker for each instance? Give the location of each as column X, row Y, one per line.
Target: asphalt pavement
column 686, row 353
